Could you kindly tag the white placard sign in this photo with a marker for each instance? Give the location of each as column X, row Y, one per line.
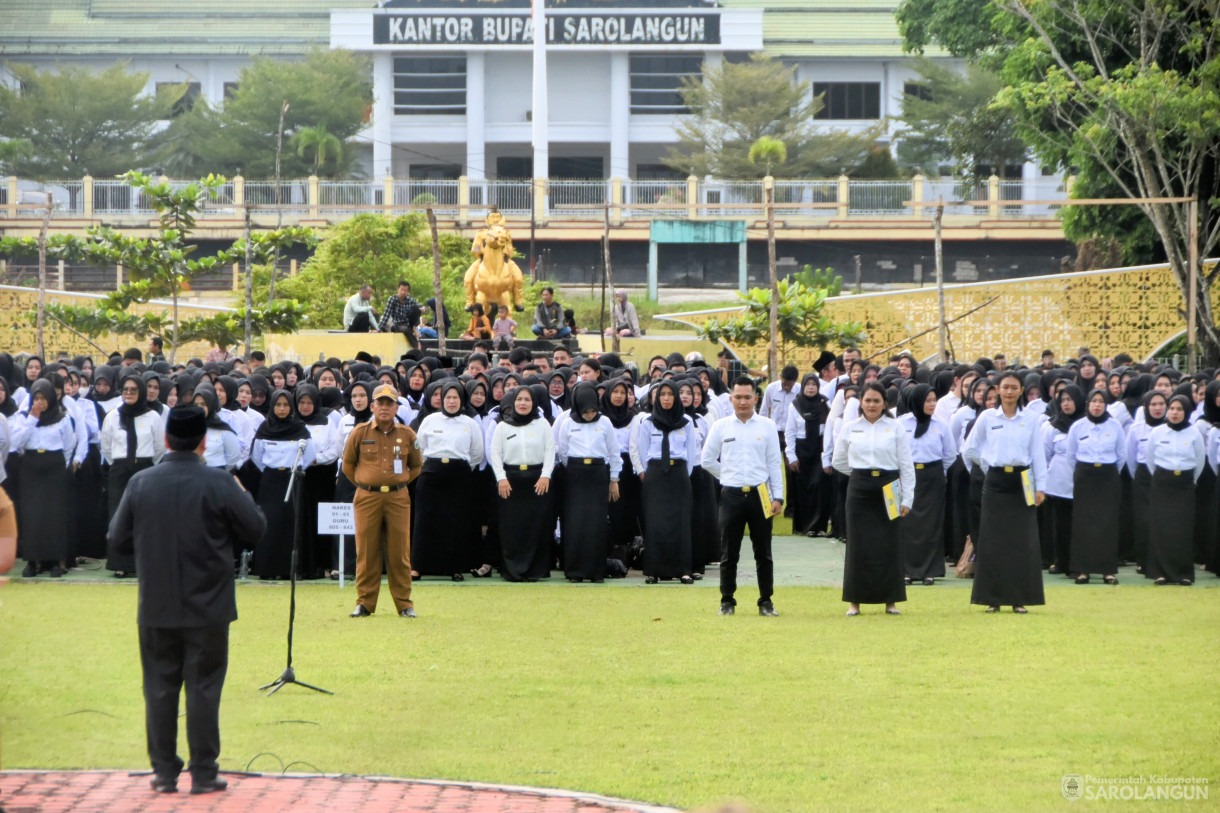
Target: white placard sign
column 337, row 518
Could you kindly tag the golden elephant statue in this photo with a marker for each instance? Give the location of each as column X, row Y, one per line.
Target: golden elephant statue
column 495, row 278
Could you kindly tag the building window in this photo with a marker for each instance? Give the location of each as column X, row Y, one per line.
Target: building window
column 183, row 105
column 917, row 91
column 658, row 172
column 656, row 82
column 230, row 90
column 430, row 86
column 848, row 100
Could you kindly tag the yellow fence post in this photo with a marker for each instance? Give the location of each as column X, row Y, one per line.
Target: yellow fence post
column 313, row 197
column 616, row 201
column 692, row 196
column 463, row 201
column 993, row 197
column 917, row 194
column 844, row 196
column 540, row 207
column 239, row 191
column 387, row 194
column 86, row 191
column 12, row 196
column 236, row 276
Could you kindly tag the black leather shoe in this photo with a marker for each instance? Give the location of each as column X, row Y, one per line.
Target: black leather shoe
column 767, row 608
column 408, row 613
column 164, row 784
column 31, row 570
column 360, row 612
column 209, row 785
column 687, row 580
column 727, row 609
column 57, row 572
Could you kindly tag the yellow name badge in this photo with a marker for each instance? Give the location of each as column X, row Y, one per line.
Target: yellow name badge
column 892, row 493
column 1027, row 485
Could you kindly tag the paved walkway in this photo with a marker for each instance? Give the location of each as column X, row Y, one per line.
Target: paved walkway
column 123, row 792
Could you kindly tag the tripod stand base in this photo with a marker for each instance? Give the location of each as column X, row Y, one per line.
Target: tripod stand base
column 283, row 680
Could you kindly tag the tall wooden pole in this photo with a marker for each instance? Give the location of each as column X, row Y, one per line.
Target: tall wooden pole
column 279, row 203
column 614, row 343
column 249, row 284
column 42, row 275
column 773, row 350
column 940, row 276
column 1192, row 301
column 439, row 313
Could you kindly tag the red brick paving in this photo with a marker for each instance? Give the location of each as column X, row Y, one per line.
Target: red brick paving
column 124, row 792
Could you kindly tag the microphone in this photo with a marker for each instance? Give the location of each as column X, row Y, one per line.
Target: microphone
column 301, row 444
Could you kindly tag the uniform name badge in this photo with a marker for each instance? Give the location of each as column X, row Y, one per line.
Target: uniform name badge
column 397, row 461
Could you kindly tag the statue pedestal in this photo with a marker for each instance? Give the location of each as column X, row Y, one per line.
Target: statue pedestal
column 309, row 346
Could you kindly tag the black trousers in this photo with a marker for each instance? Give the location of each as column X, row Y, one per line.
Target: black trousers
column 360, row 324
column 198, row 657
column 737, row 510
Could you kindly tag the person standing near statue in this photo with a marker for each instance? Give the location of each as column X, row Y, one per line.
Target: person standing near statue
column 381, row 460
column 182, row 520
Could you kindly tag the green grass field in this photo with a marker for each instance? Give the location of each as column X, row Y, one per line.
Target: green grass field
column 645, row 693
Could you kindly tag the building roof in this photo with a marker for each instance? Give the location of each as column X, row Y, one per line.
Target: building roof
column 119, row 28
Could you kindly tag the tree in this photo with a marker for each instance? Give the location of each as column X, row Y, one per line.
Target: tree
column 734, row 104
column 329, row 91
column 951, row 120
column 77, row 121
column 801, row 321
column 13, row 152
column 320, row 143
column 770, row 152
column 1125, row 90
column 825, row 279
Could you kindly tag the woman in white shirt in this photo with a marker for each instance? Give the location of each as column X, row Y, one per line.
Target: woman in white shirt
column 873, row 451
column 445, row 537
column 275, row 451
column 587, row 446
column 319, row 482
column 625, row 513
column 933, row 452
column 222, row 448
column 1176, row 457
column 482, row 505
column 132, row 439
column 809, row 490
column 1097, row 448
column 522, row 456
column 667, row 444
column 705, row 509
column 1006, row 444
column 1152, row 412
column 1060, row 473
column 44, row 437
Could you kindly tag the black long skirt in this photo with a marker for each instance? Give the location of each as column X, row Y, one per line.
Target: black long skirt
column 1171, row 526
column 345, row 491
column 45, row 487
column 319, row 486
column 810, row 514
column 958, row 506
column 974, row 504
column 1205, row 515
column 484, row 499
column 704, row 520
column 838, row 517
column 872, row 565
column 526, row 527
column 1126, row 518
column 586, row 523
column 443, row 541
column 667, row 513
column 1060, row 509
column 625, row 514
column 1007, row 566
column 1095, row 522
column 121, row 472
column 91, row 507
column 923, row 534
column 273, row 553
column 1141, row 491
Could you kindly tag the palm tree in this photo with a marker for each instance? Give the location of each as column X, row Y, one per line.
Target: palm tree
column 320, row 142
column 770, row 151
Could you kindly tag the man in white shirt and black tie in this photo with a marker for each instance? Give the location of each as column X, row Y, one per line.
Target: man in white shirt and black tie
column 743, row 453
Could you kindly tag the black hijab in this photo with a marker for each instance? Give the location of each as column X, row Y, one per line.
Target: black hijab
column 229, row 385
column 1134, row 392
column 584, row 397
column 619, row 416
column 320, row 414
column 1187, row 407
column 450, row 383
column 107, row 373
column 330, row 398
column 1105, row 416
column 672, row 419
column 1062, row 421
column 1148, row 419
column 361, row 415
column 542, row 397
column 260, row 383
column 481, row 410
column 508, row 407
column 814, row 410
column 915, row 397
column 54, row 413
column 277, row 428
column 563, row 400
column 9, row 407
column 212, row 404
column 1211, row 412
column 1086, row 384
column 6, row 372
column 425, row 404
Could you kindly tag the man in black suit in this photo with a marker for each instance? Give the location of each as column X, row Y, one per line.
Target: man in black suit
column 182, row 518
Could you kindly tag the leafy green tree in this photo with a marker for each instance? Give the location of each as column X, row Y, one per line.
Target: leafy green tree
column 952, row 121
column 734, row 104
column 802, row 322
column 329, row 91
column 78, row 121
column 878, row 164
column 228, row 329
column 320, row 143
column 824, row 279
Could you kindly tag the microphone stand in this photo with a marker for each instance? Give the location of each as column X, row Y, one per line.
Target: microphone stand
column 294, row 494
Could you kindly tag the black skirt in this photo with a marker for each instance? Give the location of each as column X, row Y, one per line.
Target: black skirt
column 1007, row 566
column 958, row 506
column 586, row 523
column 273, row 552
column 1095, row 522
column 810, row 513
column 1141, row 491
column 443, row 540
column 872, row 564
column 974, row 504
column 704, row 520
column 625, row 523
column 45, row 487
column 667, row 512
column 1205, row 515
column 121, row 472
column 1171, row 526
column 526, row 527
column 90, row 507
column 923, row 534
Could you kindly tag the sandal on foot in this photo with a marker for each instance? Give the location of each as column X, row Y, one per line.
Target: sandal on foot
column 650, row 580
column 1111, row 579
column 992, row 610
column 1019, row 610
column 851, row 613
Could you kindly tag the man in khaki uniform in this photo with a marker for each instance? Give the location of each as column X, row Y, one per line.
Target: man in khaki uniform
column 381, row 459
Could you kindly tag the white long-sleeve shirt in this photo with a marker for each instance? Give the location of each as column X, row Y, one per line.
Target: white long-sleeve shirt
column 28, row 436
column 776, row 400
column 945, row 407
column 881, row 444
column 456, row 438
column 934, row 445
column 683, row 443
column 1176, row 450
column 745, row 453
column 1060, row 466
column 150, row 437
column 281, row 454
column 222, row 449
column 529, row 445
column 998, row 440
column 597, row 440
column 794, row 430
column 1104, row 442
column 324, row 435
